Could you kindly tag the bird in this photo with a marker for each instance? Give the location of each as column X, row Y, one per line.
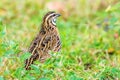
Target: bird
column 47, row 39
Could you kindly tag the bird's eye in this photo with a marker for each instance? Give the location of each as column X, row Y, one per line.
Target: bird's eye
column 53, row 14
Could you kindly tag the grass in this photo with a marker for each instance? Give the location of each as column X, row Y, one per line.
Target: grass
column 90, row 42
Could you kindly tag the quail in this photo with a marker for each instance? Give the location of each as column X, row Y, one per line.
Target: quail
column 47, row 40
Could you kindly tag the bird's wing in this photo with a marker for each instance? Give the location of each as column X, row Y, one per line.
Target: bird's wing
column 58, row 44
column 34, row 44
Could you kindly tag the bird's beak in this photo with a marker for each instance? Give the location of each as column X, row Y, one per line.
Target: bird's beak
column 58, row 15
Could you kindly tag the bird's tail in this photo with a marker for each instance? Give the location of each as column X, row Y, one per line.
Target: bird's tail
column 30, row 61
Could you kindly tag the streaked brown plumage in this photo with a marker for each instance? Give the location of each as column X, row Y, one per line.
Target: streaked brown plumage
column 48, row 39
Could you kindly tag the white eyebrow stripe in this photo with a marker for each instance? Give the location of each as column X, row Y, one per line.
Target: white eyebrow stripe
column 49, row 16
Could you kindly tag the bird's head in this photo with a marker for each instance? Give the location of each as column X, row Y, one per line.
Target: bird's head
column 50, row 18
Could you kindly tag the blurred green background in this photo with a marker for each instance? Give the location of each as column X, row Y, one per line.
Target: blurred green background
column 89, row 31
